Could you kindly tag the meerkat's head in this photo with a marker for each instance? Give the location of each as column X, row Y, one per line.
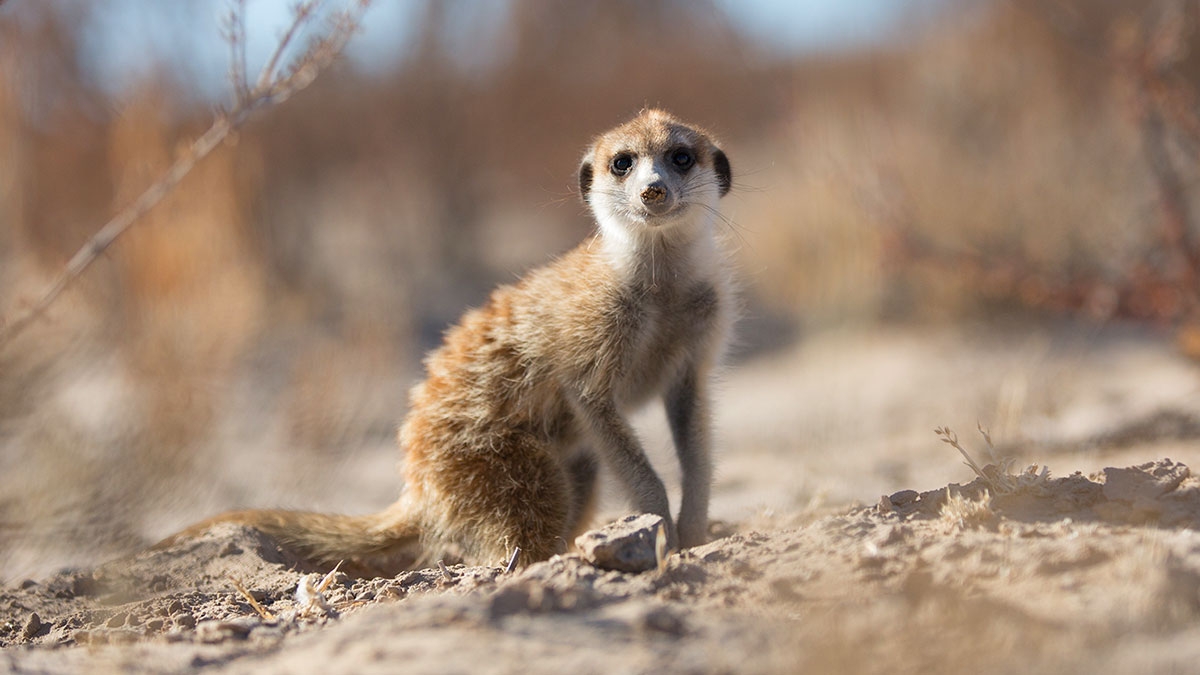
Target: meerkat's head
column 652, row 173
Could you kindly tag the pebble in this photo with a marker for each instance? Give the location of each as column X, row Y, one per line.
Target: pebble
column 214, row 630
column 627, row 545
column 33, row 626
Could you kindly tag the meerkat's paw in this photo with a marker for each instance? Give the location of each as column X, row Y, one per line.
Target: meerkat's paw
column 692, row 532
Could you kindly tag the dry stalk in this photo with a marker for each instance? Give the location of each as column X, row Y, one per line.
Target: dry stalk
column 328, row 579
column 262, row 611
column 950, row 438
column 997, row 474
column 271, row 88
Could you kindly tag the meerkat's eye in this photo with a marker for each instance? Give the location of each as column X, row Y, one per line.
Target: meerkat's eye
column 621, row 164
column 682, row 159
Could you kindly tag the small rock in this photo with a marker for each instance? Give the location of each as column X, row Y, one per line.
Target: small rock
column 83, row 584
column 744, row 570
column 625, row 546
column 155, row 625
column 663, row 620
column 390, row 593
column 214, row 630
column 904, row 497
column 269, row 632
column 33, row 626
column 185, row 620
column 174, row 608
column 117, row 620
column 28, row 583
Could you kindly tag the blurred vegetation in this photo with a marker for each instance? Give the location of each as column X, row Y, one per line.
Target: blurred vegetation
column 261, row 326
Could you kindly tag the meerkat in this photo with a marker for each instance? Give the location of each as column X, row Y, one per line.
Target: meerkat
column 529, row 392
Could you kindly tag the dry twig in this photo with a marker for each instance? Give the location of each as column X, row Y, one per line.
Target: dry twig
column 271, row 88
column 512, row 560
column 262, row 611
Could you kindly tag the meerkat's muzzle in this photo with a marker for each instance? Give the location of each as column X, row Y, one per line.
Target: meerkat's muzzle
column 655, row 198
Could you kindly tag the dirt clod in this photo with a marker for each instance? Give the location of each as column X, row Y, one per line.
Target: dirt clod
column 1144, row 482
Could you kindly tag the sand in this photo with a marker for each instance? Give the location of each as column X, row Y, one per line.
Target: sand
column 868, row 563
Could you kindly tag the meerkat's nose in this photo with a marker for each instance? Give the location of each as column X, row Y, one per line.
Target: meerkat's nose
column 654, row 193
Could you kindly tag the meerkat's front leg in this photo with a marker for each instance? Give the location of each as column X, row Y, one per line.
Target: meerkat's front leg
column 616, row 441
column 687, row 413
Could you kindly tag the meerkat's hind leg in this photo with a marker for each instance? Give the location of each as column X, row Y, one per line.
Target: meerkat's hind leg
column 517, row 494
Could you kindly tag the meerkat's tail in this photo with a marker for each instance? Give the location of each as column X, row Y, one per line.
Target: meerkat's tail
column 379, row 544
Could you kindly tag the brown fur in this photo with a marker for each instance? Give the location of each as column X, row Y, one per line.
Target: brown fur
column 503, row 435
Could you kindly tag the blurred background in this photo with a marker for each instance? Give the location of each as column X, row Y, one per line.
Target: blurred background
column 959, row 209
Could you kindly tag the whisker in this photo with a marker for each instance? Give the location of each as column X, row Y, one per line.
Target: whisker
column 733, row 227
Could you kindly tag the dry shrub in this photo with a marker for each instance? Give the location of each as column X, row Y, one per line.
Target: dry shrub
column 992, row 161
column 963, row 513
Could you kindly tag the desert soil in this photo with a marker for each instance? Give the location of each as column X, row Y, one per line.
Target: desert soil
column 848, row 539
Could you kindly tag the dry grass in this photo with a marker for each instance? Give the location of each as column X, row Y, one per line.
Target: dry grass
column 998, row 473
column 310, row 593
column 963, row 513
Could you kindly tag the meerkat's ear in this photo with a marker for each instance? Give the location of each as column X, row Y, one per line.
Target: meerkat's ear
column 724, row 174
column 585, row 177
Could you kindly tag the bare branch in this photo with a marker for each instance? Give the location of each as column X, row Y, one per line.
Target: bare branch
column 303, row 12
column 271, row 90
column 234, row 29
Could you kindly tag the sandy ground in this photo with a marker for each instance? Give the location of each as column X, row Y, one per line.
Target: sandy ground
column 849, row 539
